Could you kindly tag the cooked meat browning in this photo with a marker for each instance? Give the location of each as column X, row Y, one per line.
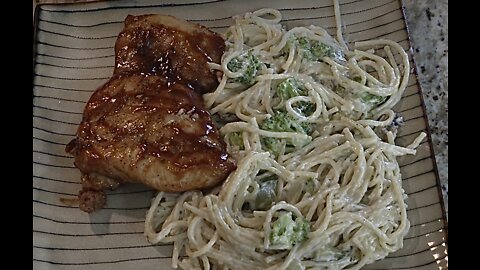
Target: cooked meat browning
column 148, row 124
column 164, row 45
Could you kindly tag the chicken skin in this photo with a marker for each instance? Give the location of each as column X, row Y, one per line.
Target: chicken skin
column 148, row 123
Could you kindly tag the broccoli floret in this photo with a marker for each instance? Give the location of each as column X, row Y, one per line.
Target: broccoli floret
column 305, row 108
column 357, row 79
column 236, row 139
column 292, row 88
column 283, row 122
column 330, row 253
column 320, row 50
column 304, row 43
column 273, row 145
column 369, row 98
column 315, row 50
column 290, row 42
column 287, row 232
column 340, row 90
column 372, row 99
column 365, row 97
column 310, row 186
column 267, row 194
column 248, row 64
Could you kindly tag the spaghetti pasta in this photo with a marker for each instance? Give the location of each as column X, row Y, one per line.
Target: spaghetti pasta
column 311, row 125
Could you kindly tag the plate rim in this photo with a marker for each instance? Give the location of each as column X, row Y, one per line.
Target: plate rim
column 36, row 15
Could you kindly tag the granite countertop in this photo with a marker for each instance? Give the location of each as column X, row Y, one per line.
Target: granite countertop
column 428, row 26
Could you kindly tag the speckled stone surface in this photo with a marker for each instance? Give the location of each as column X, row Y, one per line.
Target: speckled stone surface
column 428, row 24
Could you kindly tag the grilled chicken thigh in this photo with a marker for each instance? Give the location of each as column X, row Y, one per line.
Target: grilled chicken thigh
column 148, row 123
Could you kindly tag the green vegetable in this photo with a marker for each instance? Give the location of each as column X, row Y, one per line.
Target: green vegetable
column 304, row 43
column 266, row 195
column 310, row 186
column 365, row 97
column 274, row 145
column 248, row 64
column 372, row 99
column 339, row 90
column 290, row 88
column 283, row 122
column 305, row 108
column 315, row 50
column 320, row 50
column 357, row 79
column 286, row 49
column 285, row 231
column 236, row 139
column 329, row 253
column 369, row 98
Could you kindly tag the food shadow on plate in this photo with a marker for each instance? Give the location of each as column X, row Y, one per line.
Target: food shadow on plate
column 124, row 212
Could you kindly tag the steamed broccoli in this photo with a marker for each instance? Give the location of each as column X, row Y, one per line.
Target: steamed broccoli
column 340, row 90
column 290, row 42
column 248, row 64
column 292, row 88
column 274, row 145
column 236, row 140
column 310, row 186
column 287, row 232
column 330, row 253
column 304, row 43
column 305, row 108
column 315, row 50
column 320, row 50
column 283, row 122
column 372, row 99
column 357, row 79
column 369, row 98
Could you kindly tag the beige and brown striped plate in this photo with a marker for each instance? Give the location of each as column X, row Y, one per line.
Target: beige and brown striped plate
column 74, row 55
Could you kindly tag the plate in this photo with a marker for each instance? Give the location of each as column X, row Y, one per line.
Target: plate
column 74, row 55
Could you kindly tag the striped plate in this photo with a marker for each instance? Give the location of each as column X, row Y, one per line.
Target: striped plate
column 74, row 55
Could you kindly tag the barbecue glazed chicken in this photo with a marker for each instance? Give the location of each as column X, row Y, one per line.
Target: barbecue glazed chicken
column 148, row 123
